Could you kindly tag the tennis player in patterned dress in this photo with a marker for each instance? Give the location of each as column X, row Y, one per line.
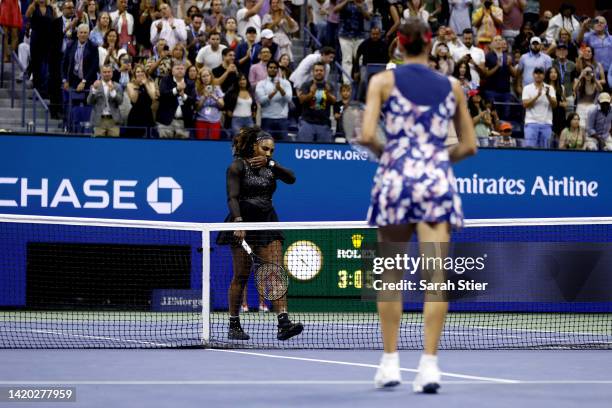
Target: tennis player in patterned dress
column 414, row 186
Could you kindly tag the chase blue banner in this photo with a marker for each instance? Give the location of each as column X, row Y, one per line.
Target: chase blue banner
column 185, row 181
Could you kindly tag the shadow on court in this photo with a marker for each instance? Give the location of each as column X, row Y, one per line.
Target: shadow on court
column 272, row 378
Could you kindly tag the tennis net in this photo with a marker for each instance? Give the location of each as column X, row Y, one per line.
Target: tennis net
column 75, row 283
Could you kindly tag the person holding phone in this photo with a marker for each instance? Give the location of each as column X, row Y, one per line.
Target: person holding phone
column 209, row 104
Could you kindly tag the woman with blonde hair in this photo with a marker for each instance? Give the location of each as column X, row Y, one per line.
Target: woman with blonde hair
column 282, row 25
column 142, row 92
column 209, row 103
column 179, row 52
column 98, row 34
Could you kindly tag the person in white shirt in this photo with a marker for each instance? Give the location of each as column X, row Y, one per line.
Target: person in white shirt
column 539, row 101
column 273, row 95
column 106, row 96
column 123, row 22
column 211, row 55
column 474, row 56
column 304, row 70
column 565, row 19
column 248, row 16
column 171, row 29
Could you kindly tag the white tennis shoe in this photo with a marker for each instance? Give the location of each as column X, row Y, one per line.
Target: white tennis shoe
column 388, row 374
column 428, row 377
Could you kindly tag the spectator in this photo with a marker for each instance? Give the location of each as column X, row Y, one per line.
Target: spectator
column 196, row 37
column 176, row 100
column 168, row 28
column 215, row 21
column 192, row 73
column 90, row 16
column 209, row 103
column 446, row 65
column 316, row 13
column 542, row 25
column 260, row 71
column 586, row 89
column 460, row 15
column 230, row 37
column 565, row 38
column 230, row 7
column 248, row 16
column 573, row 136
column 106, row 96
column 532, row 12
column 226, row 74
column 553, row 79
column 303, row 72
column 274, row 94
column 415, row 8
column 142, row 92
column 505, row 139
column 245, row 49
column 149, row 12
column 513, row 17
column 267, row 41
column 98, row 34
column 599, row 122
column 538, row 101
column 372, row 51
column 212, row 54
column 108, row 53
column 80, row 65
column 521, row 41
column 474, row 56
column 599, row 39
column 587, row 59
column 317, row 98
column 123, row 22
column 353, row 15
column 463, row 74
column 481, row 117
column 11, row 21
column 41, row 18
column 498, row 73
column 179, row 52
column 284, row 63
column 161, row 64
column 340, row 106
column 533, row 59
column 333, row 26
column 565, row 19
column 240, row 105
column 567, row 73
column 488, row 20
column 282, row 25
column 123, row 75
column 61, row 38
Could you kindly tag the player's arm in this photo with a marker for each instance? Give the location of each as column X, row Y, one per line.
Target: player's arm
column 233, row 190
column 371, row 115
column 465, row 129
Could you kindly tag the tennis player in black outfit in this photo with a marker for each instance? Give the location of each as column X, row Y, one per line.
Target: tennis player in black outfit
column 251, row 182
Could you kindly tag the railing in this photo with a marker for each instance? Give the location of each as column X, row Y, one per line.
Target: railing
column 35, row 96
column 15, row 60
column 319, row 45
column 2, row 60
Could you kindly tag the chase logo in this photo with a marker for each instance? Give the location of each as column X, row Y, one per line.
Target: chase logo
column 176, row 198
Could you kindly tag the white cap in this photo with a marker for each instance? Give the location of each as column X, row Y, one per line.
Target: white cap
column 267, row 33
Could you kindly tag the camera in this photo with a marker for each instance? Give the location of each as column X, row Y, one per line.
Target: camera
column 209, row 88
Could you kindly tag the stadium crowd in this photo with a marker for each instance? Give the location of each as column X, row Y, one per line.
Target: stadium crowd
column 206, row 68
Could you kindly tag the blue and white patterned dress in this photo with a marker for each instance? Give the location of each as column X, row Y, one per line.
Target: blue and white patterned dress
column 415, row 181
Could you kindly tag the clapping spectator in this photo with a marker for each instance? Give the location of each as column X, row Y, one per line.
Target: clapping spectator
column 282, row 25
column 142, row 92
column 212, row 54
column 123, row 22
column 171, row 29
column 586, row 89
column 539, row 101
column 316, row 97
column 244, row 51
column 353, row 15
column 248, row 16
column 599, row 123
column 259, row 71
column 226, row 74
column 106, row 96
column 533, row 59
column 573, row 136
column 599, row 39
column 215, row 21
column 498, row 73
column 240, row 105
column 149, row 12
column 98, row 34
column 415, row 8
column 108, row 52
column 90, row 15
column 196, row 37
column 565, row 19
column 176, row 102
column 488, row 20
column 274, row 94
column 230, row 37
column 209, row 103
column 80, row 65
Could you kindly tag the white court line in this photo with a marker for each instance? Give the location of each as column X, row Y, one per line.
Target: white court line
column 83, row 336
column 316, row 360
column 284, row 382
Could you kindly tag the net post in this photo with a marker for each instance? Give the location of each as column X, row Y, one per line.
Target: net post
column 205, row 286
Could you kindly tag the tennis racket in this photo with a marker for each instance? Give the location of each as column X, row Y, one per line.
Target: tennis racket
column 352, row 121
column 271, row 279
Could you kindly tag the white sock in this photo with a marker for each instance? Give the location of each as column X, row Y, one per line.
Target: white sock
column 389, row 357
column 428, row 359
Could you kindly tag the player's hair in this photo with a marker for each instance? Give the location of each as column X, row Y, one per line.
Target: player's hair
column 244, row 142
column 414, row 36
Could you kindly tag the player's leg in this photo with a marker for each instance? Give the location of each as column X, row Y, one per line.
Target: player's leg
column 286, row 329
column 390, row 308
column 242, row 266
column 433, row 238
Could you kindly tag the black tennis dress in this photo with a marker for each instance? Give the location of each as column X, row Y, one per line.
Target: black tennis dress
column 249, row 195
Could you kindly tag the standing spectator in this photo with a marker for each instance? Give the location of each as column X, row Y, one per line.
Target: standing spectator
column 274, row 95
column 498, row 73
column 317, row 18
column 282, row 25
column 392, row 19
column 460, row 15
column 212, row 54
column 587, row 59
column 168, row 28
column 179, row 52
column 106, row 96
column 123, row 22
column 80, row 65
column 473, row 55
column 565, row 19
column 142, row 92
column 108, row 53
column 240, row 105
column 374, row 50
column 346, row 92
column 586, row 89
column 99, row 32
column 488, row 20
column 415, row 8
column 60, row 39
column 259, row 71
column 196, row 37
column 11, row 21
column 573, row 136
column 176, row 100
column 90, row 15
column 542, row 25
column 41, row 16
column 333, row 26
column 248, row 16
column 532, row 11
column 353, row 15
column 244, row 50
column 565, row 38
column 317, row 98
column 538, row 101
column 215, row 21
column 533, row 59
column 303, row 72
column 513, row 17
column 209, row 103
column 230, row 37
column 553, row 79
column 266, row 41
column 521, row 41
column 149, row 12
column 599, row 39
column 192, row 74
column 463, row 74
column 567, row 73
column 160, row 65
column 226, row 74
column 446, row 65
column 284, row 63
column 598, row 126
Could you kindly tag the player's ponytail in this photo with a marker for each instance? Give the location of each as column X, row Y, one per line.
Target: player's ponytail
column 414, row 36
